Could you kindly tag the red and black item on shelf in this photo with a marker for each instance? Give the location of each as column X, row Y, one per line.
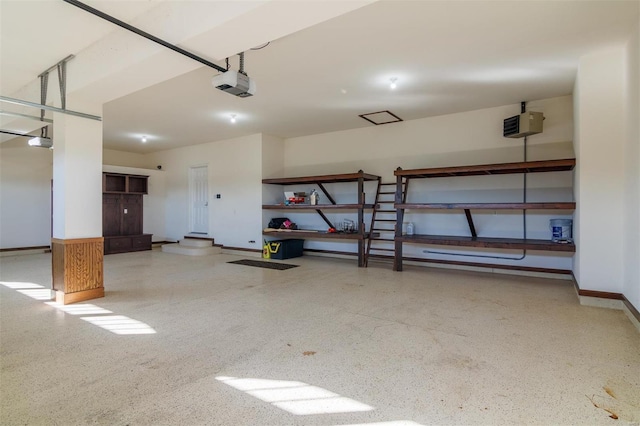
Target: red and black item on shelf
column 282, row 223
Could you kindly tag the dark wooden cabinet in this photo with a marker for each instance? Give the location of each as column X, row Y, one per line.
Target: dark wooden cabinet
column 123, row 244
column 118, row 183
column 132, row 214
column 122, row 213
column 111, row 223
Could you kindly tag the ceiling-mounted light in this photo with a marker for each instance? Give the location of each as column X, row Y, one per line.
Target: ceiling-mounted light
column 233, row 119
column 144, row 139
column 393, row 84
column 41, row 142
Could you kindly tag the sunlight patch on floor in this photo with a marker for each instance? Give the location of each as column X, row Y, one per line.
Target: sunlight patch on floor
column 392, row 423
column 37, row 293
column 120, row 324
column 295, row 397
column 292, row 394
column 17, row 284
column 255, row 384
column 338, row 404
column 80, row 308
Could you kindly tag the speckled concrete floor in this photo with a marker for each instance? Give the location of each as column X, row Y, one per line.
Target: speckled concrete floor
column 326, row 343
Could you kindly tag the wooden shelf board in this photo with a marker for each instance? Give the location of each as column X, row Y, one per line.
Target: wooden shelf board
column 491, row 169
column 491, row 206
column 487, row 242
column 345, row 177
column 317, row 207
column 314, row 234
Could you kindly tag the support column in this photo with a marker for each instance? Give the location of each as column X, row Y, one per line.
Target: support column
column 77, row 244
column 599, row 143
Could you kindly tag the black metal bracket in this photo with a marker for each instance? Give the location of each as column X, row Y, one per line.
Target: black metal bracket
column 472, row 227
column 144, row 34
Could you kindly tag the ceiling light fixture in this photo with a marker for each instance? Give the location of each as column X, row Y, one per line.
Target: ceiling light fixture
column 144, row 139
column 233, row 119
column 393, row 84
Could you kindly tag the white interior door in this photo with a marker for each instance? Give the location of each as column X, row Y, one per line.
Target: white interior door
column 199, row 199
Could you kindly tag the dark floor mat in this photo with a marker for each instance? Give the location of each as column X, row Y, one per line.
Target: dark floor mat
column 264, row 264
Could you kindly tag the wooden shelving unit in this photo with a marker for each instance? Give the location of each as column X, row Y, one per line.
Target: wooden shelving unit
column 114, row 183
column 488, row 242
column 119, row 183
column 323, row 206
column 490, row 206
column 137, row 184
column 491, row 169
column 360, row 236
column 345, row 177
column 402, row 181
column 284, row 234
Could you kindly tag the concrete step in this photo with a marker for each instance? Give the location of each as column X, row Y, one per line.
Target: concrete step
column 190, row 251
column 192, row 242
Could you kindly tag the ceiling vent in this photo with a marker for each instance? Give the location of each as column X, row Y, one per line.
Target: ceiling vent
column 381, row 117
column 525, row 124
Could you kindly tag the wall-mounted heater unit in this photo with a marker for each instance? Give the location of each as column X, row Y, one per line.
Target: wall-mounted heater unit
column 525, row 124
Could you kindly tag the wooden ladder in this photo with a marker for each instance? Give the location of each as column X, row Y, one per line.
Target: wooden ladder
column 381, row 240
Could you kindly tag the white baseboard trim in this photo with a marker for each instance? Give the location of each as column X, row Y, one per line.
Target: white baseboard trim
column 598, row 302
column 632, row 317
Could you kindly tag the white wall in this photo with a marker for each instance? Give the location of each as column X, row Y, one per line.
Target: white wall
column 125, row 159
column 631, row 286
column 25, row 195
column 235, row 172
column 272, row 156
column 473, row 137
column 600, row 151
column 153, row 203
column 272, row 167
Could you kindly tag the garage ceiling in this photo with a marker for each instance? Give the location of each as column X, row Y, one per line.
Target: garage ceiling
column 326, row 63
